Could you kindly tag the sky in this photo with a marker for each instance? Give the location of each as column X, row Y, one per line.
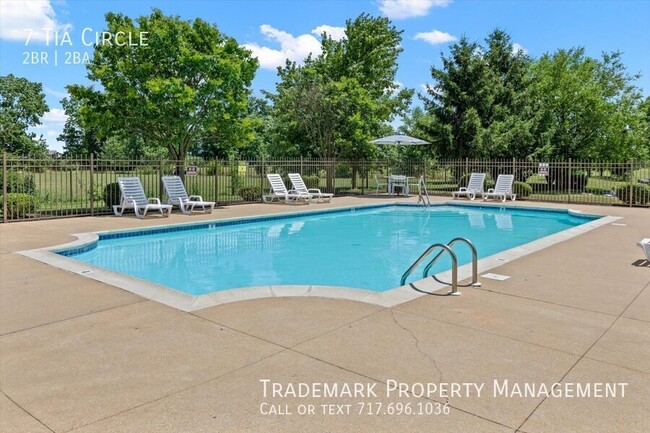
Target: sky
column 47, row 41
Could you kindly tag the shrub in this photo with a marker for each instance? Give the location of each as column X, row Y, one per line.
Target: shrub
column 311, row 181
column 251, row 193
column 20, row 205
column 539, row 187
column 522, row 189
column 640, row 194
column 112, row 194
column 19, row 183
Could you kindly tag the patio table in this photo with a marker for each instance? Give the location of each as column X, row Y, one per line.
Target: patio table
column 399, row 181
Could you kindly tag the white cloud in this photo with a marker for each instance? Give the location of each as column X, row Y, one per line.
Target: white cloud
column 400, row 9
column 435, row 37
column 336, row 33
column 55, row 116
column 51, row 127
column 291, row 47
column 518, row 47
column 20, row 20
column 56, row 93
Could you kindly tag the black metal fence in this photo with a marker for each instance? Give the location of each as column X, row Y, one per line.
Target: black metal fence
column 57, row 188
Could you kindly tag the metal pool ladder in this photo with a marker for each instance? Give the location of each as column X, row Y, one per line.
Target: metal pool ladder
column 454, row 264
column 422, row 187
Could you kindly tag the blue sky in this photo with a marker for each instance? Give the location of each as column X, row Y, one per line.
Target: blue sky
column 276, row 30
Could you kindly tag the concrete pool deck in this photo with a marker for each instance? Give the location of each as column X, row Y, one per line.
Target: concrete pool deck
column 80, row 355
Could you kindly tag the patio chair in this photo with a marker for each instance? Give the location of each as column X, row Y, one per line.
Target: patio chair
column 645, row 246
column 133, row 197
column 279, row 191
column 299, row 185
column 177, row 195
column 474, row 187
column 382, row 185
column 502, row 189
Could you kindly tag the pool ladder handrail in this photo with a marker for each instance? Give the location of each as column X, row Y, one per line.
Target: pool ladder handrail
column 454, row 264
column 422, row 186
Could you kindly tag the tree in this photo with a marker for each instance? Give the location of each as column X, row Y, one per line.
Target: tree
column 187, row 82
column 588, row 108
column 333, row 105
column 22, row 104
column 79, row 141
column 478, row 104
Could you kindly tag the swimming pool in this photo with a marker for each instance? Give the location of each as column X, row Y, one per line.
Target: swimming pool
column 362, row 247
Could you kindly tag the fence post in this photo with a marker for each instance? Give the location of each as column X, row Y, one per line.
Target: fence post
column 466, row 165
column 71, row 197
column 92, row 186
column 631, row 181
column 216, row 179
column 301, row 165
column 262, row 177
column 160, row 174
column 569, row 183
column 4, row 186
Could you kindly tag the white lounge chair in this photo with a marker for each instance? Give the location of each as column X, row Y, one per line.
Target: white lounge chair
column 474, row 187
column 279, row 191
column 177, row 195
column 133, row 197
column 300, row 187
column 645, row 246
column 502, row 189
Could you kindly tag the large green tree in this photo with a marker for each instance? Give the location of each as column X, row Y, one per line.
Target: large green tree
column 22, row 104
column 185, row 82
column 588, row 108
column 79, row 141
column 333, row 104
column 478, row 104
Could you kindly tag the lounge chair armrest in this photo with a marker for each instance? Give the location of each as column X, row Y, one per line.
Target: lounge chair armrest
column 462, row 188
column 196, row 198
column 314, row 190
column 154, row 200
column 490, row 191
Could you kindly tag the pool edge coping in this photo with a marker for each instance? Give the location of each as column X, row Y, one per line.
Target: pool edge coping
column 389, row 298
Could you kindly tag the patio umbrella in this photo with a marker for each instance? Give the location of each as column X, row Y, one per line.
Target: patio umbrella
column 400, row 140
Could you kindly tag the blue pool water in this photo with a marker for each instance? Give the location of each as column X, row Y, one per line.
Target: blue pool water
column 368, row 248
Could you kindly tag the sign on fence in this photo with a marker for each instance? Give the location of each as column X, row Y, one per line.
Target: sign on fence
column 542, row 170
column 192, row 170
